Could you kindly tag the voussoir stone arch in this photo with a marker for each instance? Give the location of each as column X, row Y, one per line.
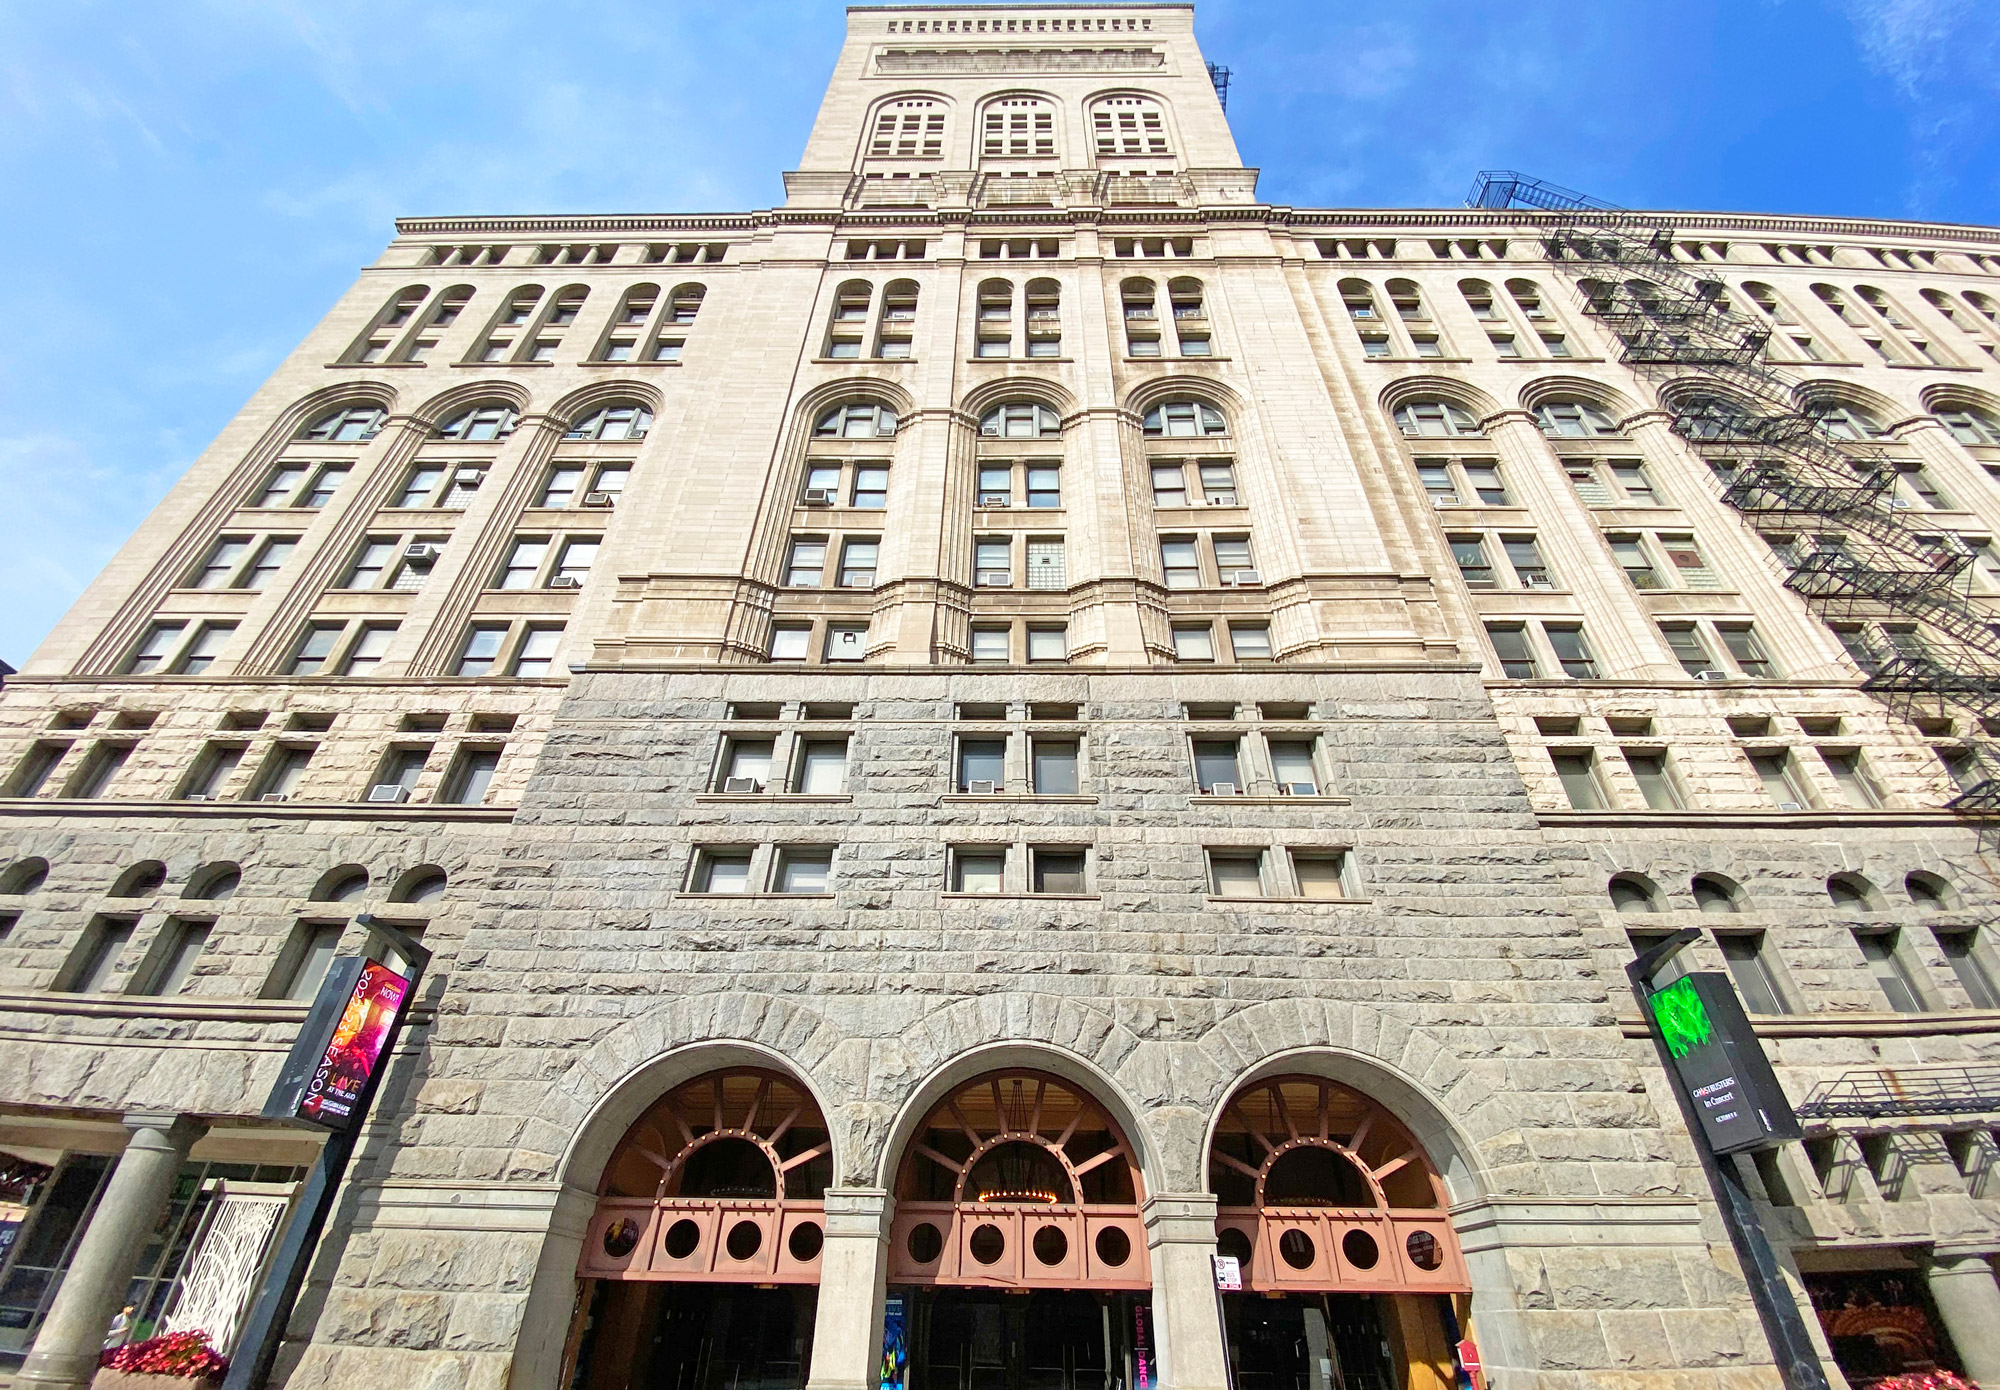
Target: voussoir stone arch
column 582, row 1111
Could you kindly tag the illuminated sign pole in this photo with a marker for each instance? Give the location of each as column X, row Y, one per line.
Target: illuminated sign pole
column 1732, row 1103
column 329, row 1080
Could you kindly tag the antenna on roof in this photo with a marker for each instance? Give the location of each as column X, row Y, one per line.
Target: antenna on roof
column 1219, row 75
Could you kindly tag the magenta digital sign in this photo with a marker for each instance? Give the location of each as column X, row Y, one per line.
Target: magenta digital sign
column 354, row 1051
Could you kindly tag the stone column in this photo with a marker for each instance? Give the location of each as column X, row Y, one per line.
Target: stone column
column 66, row 1349
column 853, row 1280
column 1187, row 1320
column 1968, row 1299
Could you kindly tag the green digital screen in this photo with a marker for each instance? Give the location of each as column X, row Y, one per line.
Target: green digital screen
column 1682, row 1017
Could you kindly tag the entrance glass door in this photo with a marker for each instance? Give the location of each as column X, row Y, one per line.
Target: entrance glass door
column 983, row 1339
column 1308, row 1342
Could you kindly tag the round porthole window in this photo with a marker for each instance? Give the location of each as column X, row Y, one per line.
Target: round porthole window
column 1114, row 1247
column 987, row 1244
column 925, row 1243
column 1360, row 1249
column 682, row 1238
column 1297, row 1248
column 745, row 1240
column 1425, row 1252
column 620, row 1237
column 1050, row 1245
column 806, row 1240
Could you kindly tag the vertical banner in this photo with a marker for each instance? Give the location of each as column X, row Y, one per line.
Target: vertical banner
column 355, row 1049
column 1144, row 1375
column 895, row 1344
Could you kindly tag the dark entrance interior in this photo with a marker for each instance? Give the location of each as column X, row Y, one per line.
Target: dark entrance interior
column 1051, row 1339
column 1880, row 1323
column 1316, row 1341
column 673, row 1336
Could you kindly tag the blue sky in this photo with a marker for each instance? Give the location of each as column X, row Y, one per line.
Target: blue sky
column 190, row 185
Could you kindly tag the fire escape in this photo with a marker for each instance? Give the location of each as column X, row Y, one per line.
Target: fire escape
column 1897, row 595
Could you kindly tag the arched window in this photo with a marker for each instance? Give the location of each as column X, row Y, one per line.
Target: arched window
column 1711, row 418
column 1766, row 298
column 1184, row 420
column 350, row 424
column 1985, row 305
column 1136, row 298
column 214, row 883
column 1408, row 299
column 1574, row 419
column 1834, row 300
column 1631, row 893
column 1948, row 307
column 1128, row 128
column 1851, row 891
column 910, row 128
column 1044, row 300
column 1435, row 420
column 481, row 423
column 373, row 345
column 1018, row 127
column 420, row 885
column 347, row 884
column 996, row 319
column 142, row 880
column 1020, row 420
column 861, row 420
column 1714, row 893
column 621, row 338
column 1882, row 305
column 1970, row 426
column 685, row 303
column 1927, row 890
column 851, row 305
column 622, row 420
column 24, row 876
column 1479, row 298
column 1846, row 422
column 1528, row 295
column 1184, row 293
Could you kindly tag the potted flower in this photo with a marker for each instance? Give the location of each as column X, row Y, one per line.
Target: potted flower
column 1924, row 1380
column 176, row 1361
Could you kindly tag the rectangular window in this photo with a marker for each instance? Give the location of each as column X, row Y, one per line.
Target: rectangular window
column 996, row 485
column 721, row 871
column 1194, row 643
column 310, row 657
column 1044, row 486
column 401, row 767
column 212, row 767
column 1686, row 558
column 1058, row 870
column 1216, row 765
column 746, row 765
column 1510, row 645
column 1746, row 651
column 1438, row 486
column 846, row 642
column 96, row 959
column 1182, row 563
column 417, row 491
column 180, row 947
column 1631, row 555
column 324, row 486
column 537, row 652
column 823, row 767
column 989, row 644
column 1486, row 485
column 1048, row 644
column 982, row 764
column 1961, row 950
column 1320, row 875
column 1232, row 558
column 368, row 649
column 311, row 951
column 269, row 561
column 464, row 487
column 1529, row 567
column 562, row 487
column 159, row 642
column 577, row 558
column 857, row 564
column 1169, row 485
column 1687, row 647
column 1054, row 765
column 1292, row 764
column 871, row 487
column 1882, row 951
column 1577, row 771
column 1572, row 653
column 1469, row 551
column 284, row 483
column 1250, row 641
column 1782, row 780
column 481, row 650
column 371, row 564
column 805, row 869
column 1218, row 484
column 1046, row 568
column 1638, row 487
column 1750, row 968
column 523, row 563
column 220, row 567
column 1236, row 873
column 284, row 770
column 99, row 768
column 1850, row 774
column 1655, row 778
column 790, row 641
column 806, row 568
column 992, row 563
column 470, row 777
column 978, row 870
column 200, row 654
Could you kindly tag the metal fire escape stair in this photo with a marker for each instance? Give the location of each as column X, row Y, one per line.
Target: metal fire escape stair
column 1898, row 593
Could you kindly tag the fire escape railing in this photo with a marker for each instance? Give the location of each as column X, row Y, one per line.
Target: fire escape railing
column 1896, row 592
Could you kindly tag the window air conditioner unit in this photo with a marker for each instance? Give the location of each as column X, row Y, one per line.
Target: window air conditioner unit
column 388, row 791
column 1901, row 503
column 1713, row 676
column 992, row 499
column 993, row 579
column 1222, row 789
column 599, row 499
column 1445, row 499
column 199, row 796
column 741, row 785
column 1223, row 499
column 982, row 788
column 275, row 796
column 1301, row 789
column 1790, row 806
column 1537, row 581
column 469, row 477
column 421, row 553
column 1244, row 579
column 819, row 497
column 565, row 581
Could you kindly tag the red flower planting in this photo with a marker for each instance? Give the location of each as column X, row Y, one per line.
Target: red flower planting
column 185, row 1354
column 1924, row 1380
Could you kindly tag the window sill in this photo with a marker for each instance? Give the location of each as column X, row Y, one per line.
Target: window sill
column 862, row 361
column 1874, row 1023
column 1247, row 799
column 758, row 897
column 1178, row 361
column 386, row 366
column 671, row 362
column 1407, row 361
column 494, row 366
column 777, row 798
column 1218, row 900
column 1022, row 897
column 1012, row 799
column 184, row 1007
column 1020, row 361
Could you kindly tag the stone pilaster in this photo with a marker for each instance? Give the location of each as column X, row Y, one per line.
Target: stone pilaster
column 1187, row 1320
column 1968, row 1299
column 853, row 1281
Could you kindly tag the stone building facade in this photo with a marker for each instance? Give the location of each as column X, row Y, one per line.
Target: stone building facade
column 1024, row 691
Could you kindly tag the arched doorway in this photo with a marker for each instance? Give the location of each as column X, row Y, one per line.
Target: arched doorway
column 701, row 1261
column 1017, row 1257
column 1338, row 1220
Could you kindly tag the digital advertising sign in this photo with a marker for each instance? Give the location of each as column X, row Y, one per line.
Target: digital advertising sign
column 343, row 1044
column 1718, row 1060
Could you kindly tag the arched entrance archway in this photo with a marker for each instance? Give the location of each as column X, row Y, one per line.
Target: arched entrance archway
column 1020, row 1183
column 703, row 1252
column 1338, row 1218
